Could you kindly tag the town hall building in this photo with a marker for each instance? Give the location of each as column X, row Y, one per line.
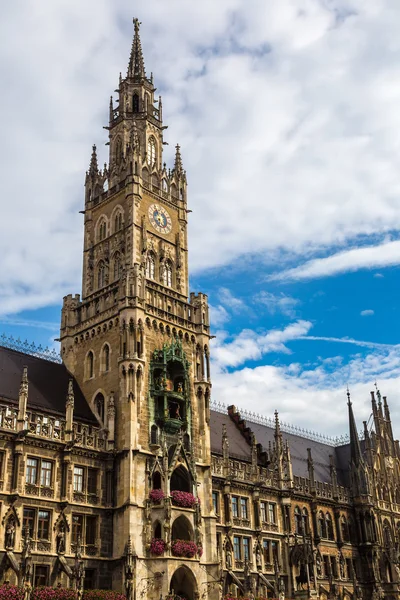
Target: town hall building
column 118, row 470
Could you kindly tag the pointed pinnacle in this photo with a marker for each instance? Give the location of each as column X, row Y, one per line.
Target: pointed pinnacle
column 70, row 393
column 136, row 62
column 93, row 168
column 178, row 167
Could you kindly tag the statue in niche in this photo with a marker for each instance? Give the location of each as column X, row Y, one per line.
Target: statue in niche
column 258, row 558
column 60, row 539
column 10, row 533
column 228, row 559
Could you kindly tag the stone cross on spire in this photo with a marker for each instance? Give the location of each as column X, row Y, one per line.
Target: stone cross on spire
column 136, row 62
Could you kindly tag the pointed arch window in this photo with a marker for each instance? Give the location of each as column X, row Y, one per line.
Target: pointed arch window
column 101, row 274
column 304, row 521
column 168, row 273
column 322, row 525
column 345, row 529
column 102, row 230
column 151, row 151
column 117, row 266
column 118, row 222
column 99, row 405
column 135, row 103
column 150, row 266
column 90, row 365
column 297, row 520
column 329, row 527
column 106, row 357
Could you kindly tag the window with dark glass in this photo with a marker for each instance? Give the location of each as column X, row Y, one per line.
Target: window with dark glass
column 31, row 470
column 267, row 551
column 77, row 526
column 327, row 568
column 90, row 537
column 272, row 512
column 329, row 527
column 43, row 524
column 275, row 551
column 28, row 522
column 41, row 575
column 215, row 502
column 78, row 479
column 297, row 521
column 243, row 508
column 45, row 473
column 92, row 481
column 263, row 512
column 236, row 547
column 305, row 521
column 89, row 582
column 235, row 506
column 246, row 548
column 333, row 566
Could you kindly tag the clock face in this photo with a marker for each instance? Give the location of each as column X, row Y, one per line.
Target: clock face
column 160, row 219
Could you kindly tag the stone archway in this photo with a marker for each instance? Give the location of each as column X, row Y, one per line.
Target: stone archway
column 183, row 583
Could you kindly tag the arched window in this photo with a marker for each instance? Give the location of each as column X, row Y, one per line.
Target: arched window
column 297, row 521
column 154, row 434
column 117, row 266
column 164, row 185
column 182, row 529
column 90, row 365
column 322, row 525
column 305, row 521
column 102, row 230
column 118, row 151
column 151, row 151
column 181, row 480
column 168, row 273
column 118, row 222
column 345, row 529
column 150, row 266
column 99, row 405
column 157, row 530
column 101, row 274
column 156, row 480
column 135, row 103
column 106, row 357
column 387, row 535
column 329, row 527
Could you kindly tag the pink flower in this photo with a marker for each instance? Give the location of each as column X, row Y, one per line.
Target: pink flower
column 157, row 546
column 156, row 496
column 184, row 499
column 184, row 548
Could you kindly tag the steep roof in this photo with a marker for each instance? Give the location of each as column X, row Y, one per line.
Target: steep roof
column 298, row 445
column 48, row 384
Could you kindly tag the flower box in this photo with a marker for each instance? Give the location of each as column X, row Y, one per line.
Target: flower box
column 183, row 499
column 156, row 496
column 184, row 548
column 157, row 546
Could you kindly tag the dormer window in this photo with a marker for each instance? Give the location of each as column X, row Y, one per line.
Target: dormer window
column 151, row 152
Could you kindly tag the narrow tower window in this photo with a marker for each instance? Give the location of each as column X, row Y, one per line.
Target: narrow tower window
column 151, row 152
column 150, row 266
column 135, row 103
column 90, row 365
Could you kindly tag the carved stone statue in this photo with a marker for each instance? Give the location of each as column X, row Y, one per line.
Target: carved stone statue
column 258, row 558
column 60, row 539
column 228, row 559
column 281, row 589
column 10, row 533
column 129, row 582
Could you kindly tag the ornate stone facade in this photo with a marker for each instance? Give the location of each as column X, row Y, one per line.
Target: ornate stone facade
column 116, row 470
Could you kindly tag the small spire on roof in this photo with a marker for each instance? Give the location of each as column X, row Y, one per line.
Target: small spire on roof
column 93, row 168
column 136, row 62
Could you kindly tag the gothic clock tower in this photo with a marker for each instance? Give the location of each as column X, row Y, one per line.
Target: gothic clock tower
column 139, row 348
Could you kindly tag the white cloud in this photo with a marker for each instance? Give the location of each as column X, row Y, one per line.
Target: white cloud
column 249, row 345
column 277, row 303
column 367, row 312
column 379, row 276
column 314, row 396
column 218, row 315
column 228, row 299
column 369, row 257
column 254, row 91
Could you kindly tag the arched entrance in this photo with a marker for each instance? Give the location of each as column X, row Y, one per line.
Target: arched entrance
column 183, row 583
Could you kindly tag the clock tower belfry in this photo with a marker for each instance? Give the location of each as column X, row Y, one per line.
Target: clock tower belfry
column 138, row 344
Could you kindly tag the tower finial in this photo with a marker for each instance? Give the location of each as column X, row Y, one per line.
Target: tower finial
column 93, row 168
column 178, row 166
column 136, row 62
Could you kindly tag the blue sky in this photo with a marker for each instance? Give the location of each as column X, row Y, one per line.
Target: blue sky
column 287, row 115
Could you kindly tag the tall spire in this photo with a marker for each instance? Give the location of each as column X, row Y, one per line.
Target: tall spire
column 136, row 62
column 94, row 167
column 355, row 448
column 178, row 166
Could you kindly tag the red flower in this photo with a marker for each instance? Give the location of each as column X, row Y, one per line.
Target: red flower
column 156, row 496
column 184, row 499
column 157, row 546
column 184, row 548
